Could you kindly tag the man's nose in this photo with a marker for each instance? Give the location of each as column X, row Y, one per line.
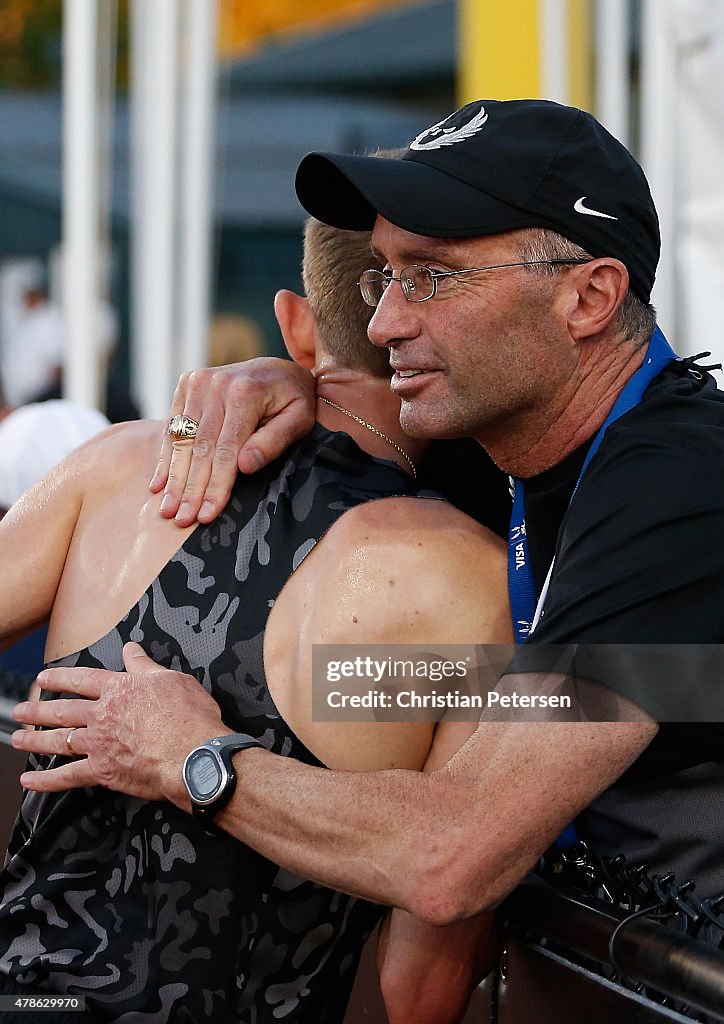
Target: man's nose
column 394, row 319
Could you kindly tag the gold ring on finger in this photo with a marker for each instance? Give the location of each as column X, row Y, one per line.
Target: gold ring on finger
column 182, row 428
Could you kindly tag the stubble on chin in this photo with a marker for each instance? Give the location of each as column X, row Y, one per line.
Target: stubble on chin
column 430, row 421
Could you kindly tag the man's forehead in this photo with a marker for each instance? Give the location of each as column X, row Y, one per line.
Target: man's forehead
column 390, row 242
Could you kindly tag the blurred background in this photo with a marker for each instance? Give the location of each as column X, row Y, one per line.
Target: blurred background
column 148, row 150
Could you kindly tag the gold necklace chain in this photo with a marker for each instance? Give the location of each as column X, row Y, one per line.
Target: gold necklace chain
column 374, row 430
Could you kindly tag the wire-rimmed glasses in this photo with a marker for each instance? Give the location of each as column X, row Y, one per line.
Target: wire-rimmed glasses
column 419, row 283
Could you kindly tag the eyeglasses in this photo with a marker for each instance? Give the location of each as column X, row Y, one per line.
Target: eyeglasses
column 419, row 283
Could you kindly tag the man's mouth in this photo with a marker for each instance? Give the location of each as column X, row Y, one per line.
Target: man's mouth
column 403, row 380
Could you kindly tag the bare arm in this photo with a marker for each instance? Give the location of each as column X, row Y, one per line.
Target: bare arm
column 420, row 572
column 428, row 972
column 445, row 845
column 34, row 539
column 248, row 414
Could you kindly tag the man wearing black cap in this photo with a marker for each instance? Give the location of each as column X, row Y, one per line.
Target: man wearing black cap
column 520, row 243
column 494, row 167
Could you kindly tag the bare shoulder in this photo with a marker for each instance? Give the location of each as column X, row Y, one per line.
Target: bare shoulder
column 111, row 457
column 421, row 560
column 121, row 443
column 422, row 528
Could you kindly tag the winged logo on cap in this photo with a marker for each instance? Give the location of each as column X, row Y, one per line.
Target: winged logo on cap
column 438, row 136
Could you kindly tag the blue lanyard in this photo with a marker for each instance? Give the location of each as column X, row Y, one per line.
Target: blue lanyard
column 521, row 588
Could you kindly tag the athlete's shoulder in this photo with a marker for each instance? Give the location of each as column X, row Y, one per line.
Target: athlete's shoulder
column 129, row 442
column 428, row 556
column 112, row 457
column 405, row 518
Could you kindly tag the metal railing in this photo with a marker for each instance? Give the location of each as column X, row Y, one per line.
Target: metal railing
column 675, row 965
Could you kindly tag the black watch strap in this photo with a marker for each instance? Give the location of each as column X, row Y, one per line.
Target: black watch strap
column 209, row 775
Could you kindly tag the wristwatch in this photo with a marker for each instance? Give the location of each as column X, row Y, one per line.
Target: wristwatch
column 210, row 778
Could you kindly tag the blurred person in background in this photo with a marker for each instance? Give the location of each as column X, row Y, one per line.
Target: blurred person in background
column 149, row 909
column 33, row 356
column 234, row 338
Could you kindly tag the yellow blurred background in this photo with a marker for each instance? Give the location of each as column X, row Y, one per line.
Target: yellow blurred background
column 242, row 26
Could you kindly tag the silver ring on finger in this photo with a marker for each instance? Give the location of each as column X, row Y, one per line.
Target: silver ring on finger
column 182, row 428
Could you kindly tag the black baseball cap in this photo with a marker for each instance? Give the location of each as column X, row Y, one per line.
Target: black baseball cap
column 498, row 165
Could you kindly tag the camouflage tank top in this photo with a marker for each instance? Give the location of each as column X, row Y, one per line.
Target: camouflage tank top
column 131, row 903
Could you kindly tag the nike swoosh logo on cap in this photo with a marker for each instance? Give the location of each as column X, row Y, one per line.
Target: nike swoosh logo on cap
column 580, row 208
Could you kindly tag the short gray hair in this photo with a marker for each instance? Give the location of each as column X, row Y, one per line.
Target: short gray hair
column 635, row 319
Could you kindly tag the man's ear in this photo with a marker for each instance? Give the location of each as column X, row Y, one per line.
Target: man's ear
column 296, row 323
column 601, row 287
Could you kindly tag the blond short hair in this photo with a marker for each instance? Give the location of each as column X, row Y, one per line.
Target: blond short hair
column 331, row 267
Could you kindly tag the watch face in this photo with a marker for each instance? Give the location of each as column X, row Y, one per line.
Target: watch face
column 203, row 775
